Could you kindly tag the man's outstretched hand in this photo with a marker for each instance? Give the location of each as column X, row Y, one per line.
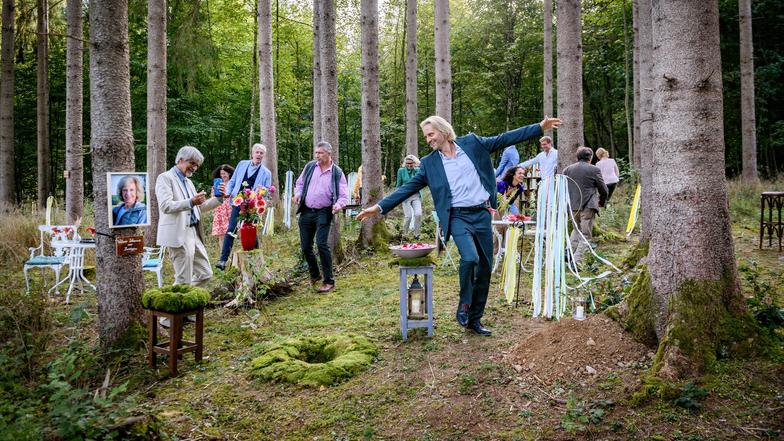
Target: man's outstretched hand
column 369, row 211
column 550, row 123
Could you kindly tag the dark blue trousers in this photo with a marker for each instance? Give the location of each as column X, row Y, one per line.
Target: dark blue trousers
column 473, row 235
column 316, row 224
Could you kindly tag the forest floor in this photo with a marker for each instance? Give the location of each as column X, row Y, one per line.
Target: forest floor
column 533, row 379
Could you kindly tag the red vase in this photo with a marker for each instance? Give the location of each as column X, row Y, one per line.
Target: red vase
column 248, row 236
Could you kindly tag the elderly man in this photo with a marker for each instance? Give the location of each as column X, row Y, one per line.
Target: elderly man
column 547, row 159
column 248, row 174
column 179, row 222
column 461, row 178
column 584, row 182
column 320, row 192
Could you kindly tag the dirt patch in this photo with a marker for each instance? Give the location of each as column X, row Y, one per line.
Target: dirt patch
column 584, row 351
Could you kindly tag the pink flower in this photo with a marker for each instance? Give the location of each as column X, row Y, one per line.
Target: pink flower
column 248, row 192
column 260, row 204
column 272, row 189
column 237, row 201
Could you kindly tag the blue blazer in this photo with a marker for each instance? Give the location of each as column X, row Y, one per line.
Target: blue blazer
column 432, row 174
column 263, row 178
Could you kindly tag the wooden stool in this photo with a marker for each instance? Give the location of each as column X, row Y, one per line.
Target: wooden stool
column 771, row 200
column 176, row 346
column 405, row 322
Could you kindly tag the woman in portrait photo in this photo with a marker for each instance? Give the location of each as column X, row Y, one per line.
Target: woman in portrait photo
column 131, row 210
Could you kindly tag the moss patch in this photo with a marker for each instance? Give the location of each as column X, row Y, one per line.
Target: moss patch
column 636, row 254
column 416, row 261
column 637, row 316
column 314, row 361
column 175, row 298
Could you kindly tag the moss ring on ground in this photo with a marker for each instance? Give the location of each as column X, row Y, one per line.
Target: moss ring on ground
column 314, row 361
column 175, row 298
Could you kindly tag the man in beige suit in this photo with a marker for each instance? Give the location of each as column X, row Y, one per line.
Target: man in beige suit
column 179, row 221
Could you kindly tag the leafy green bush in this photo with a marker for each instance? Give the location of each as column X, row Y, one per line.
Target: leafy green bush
column 175, row 298
column 764, row 304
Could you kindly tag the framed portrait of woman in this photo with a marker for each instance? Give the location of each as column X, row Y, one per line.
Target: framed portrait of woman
column 127, row 193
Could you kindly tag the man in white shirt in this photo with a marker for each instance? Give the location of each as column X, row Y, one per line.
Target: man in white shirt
column 547, row 159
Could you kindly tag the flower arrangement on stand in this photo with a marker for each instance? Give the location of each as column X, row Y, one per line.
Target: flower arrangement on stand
column 252, row 205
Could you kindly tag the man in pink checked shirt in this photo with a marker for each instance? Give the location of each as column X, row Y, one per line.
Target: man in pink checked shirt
column 321, row 192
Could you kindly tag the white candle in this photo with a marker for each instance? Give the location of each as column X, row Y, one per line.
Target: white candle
column 580, row 313
column 415, row 307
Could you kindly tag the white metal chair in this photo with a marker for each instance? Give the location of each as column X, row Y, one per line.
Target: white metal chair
column 152, row 260
column 57, row 258
column 440, row 240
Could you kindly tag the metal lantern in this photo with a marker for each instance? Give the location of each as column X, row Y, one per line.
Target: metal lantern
column 579, row 308
column 417, row 300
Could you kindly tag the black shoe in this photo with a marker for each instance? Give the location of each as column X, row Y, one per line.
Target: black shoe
column 479, row 329
column 462, row 315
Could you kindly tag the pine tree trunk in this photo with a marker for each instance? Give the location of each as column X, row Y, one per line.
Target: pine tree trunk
column 443, row 61
column 412, row 126
column 317, row 20
column 748, row 118
column 547, row 100
column 44, row 152
column 570, row 81
column 119, row 279
column 267, row 97
column 74, row 181
column 371, row 123
column 7, row 182
column 644, row 28
column 329, row 105
column 634, row 157
column 626, row 75
column 156, row 107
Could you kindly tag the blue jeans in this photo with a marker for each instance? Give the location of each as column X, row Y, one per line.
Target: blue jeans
column 473, row 235
column 228, row 239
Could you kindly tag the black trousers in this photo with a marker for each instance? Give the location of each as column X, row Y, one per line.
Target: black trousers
column 316, row 224
column 610, row 190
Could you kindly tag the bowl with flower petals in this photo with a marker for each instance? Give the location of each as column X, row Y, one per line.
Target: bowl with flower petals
column 412, row 250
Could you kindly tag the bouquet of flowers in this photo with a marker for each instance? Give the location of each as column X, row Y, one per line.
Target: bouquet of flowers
column 252, row 204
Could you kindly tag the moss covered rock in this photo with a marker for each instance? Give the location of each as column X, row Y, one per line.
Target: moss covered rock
column 314, row 361
column 175, row 298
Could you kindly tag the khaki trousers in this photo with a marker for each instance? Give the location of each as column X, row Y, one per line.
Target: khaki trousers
column 584, row 219
column 190, row 261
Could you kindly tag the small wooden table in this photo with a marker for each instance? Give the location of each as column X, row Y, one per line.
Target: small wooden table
column 771, row 200
column 176, row 346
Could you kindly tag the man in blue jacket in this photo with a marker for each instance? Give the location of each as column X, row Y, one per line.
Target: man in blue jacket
column 248, row 174
column 461, row 178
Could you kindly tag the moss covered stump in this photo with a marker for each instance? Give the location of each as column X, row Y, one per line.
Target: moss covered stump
column 314, row 361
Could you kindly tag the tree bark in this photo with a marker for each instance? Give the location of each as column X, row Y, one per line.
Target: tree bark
column 267, row 97
column 693, row 277
column 570, row 81
column 443, row 61
column 317, row 19
column 371, row 124
column 156, row 106
column 547, row 99
column 42, row 58
column 119, row 279
column 644, row 28
column 634, row 156
column 412, row 126
column 329, row 105
column 7, row 182
column 74, row 180
column 748, row 118
column 626, row 75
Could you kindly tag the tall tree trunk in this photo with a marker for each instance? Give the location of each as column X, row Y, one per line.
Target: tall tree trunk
column 42, row 56
column 748, row 118
column 317, row 20
column 119, row 279
column 570, row 81
column 156, row 106
column 412, row 128
column 329, row 105
column 254, row 88
column 7, row 182
column 267, row 96
column 646, row 117
column 547, row 99
column 443, row 60
column 693, row 277
column 626, row 75
column 371, row 233
column 634, row 156
column 74, row 181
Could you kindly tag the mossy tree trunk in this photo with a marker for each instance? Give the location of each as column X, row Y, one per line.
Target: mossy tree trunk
column 688, row 300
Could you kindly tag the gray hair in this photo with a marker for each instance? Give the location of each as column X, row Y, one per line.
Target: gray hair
column 258, row 146
column 326, row 146
column 139, row 187
column 189, row 153
column 412, row 158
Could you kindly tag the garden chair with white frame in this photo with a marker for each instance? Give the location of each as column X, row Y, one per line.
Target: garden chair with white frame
column 152, row 260
column 54, row 260
column 440, row 240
